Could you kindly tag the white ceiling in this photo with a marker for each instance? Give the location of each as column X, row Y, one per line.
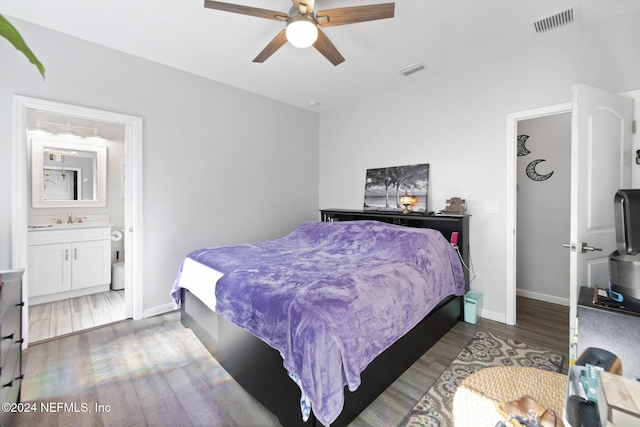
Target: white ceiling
column 442, row 34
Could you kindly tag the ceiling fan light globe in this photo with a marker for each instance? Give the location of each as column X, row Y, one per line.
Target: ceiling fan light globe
column 302, row 33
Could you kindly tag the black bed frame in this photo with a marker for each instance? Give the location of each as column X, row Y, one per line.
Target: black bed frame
column 257, row 367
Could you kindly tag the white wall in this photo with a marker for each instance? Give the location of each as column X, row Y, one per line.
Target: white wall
column 543, row 210
column 457, row 123
column 220, row 164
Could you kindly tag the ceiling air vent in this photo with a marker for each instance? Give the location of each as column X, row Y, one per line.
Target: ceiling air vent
column 554, row 21
column 412, row 69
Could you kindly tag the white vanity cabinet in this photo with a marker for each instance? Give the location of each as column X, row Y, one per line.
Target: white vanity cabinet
column 65, row 263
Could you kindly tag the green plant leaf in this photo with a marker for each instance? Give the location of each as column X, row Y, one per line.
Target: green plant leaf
column 9, row 32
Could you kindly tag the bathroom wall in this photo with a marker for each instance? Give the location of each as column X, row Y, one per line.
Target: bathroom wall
column 115, row 180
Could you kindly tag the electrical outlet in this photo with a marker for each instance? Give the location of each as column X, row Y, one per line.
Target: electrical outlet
column 491, row 207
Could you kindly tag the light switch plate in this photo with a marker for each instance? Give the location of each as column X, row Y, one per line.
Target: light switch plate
column 491, row 207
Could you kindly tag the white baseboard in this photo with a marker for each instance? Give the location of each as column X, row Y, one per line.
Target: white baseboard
column 160, row 309
column 542, row 297
column 492, row 315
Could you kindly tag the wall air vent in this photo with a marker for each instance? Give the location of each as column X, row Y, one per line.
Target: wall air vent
column 412, row 69
column 552, row 22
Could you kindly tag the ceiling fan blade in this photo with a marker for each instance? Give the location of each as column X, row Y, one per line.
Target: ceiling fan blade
column 245, row 10
column 327, row 49
column 351, row 15
column 278, row 41
column 308, row 3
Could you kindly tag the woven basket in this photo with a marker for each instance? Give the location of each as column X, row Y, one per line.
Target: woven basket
column 477, row 397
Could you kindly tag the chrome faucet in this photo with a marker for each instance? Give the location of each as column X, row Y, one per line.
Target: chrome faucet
column 70, row 220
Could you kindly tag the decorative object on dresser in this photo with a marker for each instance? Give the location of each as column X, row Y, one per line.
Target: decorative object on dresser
column 406, row 200
column 11, row 341
column 384, row 188
column 455, row 206
column 253, row 363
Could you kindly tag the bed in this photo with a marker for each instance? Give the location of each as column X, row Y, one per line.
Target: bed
column 332, row 304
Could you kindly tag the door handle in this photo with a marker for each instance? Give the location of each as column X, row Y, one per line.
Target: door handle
column 586, row 248
column 583, row 247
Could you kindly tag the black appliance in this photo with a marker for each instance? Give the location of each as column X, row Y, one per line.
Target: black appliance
column 624, row 264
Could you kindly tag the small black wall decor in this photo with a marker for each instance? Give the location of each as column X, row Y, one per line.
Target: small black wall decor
column 522, row 150
column 531, row 167
column 385, row 186
column 531, row 171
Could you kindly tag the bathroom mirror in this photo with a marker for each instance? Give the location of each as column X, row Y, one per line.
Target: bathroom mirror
column 67, row 173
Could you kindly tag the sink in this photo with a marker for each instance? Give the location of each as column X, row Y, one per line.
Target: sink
column 65, row 226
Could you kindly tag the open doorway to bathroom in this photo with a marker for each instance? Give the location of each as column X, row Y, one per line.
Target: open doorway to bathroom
column 59, row 305
column 88, row 304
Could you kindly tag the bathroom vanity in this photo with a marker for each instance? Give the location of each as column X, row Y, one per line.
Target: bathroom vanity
column 68, row 260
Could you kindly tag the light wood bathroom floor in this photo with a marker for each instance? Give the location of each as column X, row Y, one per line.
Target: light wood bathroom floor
column 57, row 318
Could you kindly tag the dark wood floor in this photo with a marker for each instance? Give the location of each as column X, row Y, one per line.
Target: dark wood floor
column 542, row 324
column 154, row 372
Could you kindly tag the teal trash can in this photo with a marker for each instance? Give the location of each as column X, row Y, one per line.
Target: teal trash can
column 472, row 306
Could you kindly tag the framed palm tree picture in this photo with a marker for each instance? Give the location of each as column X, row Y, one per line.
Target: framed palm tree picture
column 397, row 188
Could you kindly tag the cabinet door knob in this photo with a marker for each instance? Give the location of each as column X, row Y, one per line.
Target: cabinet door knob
column 66, row 255
column 8, row 337
column 9, row 384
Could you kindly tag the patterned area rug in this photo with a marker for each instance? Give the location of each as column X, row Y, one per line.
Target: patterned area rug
column 483, row 351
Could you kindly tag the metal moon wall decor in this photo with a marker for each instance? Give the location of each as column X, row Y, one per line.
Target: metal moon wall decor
column 531, row 167
column 532, row 174
column 522, row 150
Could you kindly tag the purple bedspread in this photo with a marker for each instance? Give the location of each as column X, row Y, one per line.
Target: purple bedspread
column 330, row 297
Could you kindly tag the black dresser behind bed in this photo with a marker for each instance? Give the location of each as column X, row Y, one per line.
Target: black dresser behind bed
column 258, row 368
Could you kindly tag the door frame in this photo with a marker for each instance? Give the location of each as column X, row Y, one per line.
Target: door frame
column 133, row 196
column 511, row 199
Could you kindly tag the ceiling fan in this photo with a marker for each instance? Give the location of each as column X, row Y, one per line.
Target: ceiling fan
column 303, row 24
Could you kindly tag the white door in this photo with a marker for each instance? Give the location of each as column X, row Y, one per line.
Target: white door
column 600, row 165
